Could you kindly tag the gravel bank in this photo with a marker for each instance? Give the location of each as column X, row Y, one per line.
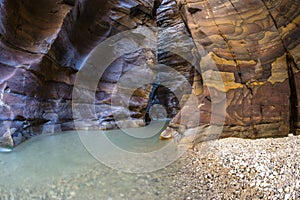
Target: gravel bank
column 247, row 169
column 225, row 169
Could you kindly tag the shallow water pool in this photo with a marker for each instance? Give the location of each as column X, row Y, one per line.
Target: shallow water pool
column 67, row 166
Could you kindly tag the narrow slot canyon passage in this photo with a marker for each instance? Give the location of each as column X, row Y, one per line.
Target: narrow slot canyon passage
column 149, row 99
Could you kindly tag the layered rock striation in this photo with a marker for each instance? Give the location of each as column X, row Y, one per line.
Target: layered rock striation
column 244, row 52
column 254, row 45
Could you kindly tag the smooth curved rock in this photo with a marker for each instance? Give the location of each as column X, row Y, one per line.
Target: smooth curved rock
column 253, row 43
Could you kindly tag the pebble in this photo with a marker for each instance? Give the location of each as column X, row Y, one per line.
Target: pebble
column 287, row 197
column 72, row 193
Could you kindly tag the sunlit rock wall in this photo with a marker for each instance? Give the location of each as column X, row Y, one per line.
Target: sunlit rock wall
column 255, row 46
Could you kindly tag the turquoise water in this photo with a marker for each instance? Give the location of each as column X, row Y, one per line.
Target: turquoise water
column 49, row 160
column 44, row 158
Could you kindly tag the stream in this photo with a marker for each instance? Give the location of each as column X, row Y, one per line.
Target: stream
column 65, row 166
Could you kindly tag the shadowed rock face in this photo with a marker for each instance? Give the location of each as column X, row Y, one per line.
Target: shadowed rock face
column 254, row 44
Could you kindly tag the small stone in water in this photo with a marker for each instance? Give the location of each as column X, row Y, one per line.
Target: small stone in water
column 5, row 150
column 72, row 193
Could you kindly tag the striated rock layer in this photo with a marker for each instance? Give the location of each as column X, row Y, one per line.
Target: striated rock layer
column 253, row 46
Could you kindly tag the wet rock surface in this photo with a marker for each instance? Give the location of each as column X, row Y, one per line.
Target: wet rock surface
column 229, row 168
column 253, row 44
column 37, row 77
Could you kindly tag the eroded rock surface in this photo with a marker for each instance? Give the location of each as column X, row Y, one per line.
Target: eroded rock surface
column 254, row 45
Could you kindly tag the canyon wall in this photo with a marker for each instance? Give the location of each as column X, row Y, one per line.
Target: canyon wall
column 254, row 46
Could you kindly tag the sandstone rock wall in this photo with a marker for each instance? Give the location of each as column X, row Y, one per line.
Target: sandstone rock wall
column 44, row 43
column 254, row 45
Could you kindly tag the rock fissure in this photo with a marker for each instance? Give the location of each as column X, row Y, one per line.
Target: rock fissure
column 293, row 115
column 293, row 95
